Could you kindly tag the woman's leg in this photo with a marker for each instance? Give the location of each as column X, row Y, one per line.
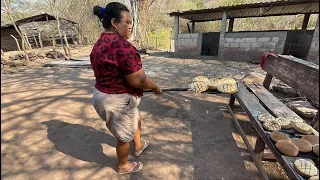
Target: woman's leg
column 122, row 153
column 137, row 136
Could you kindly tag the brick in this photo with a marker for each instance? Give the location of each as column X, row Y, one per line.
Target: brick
column 240, row 40
column 251, row 40
column 256, row 45
column 275, row 39
column 226, row 44
column 234, row 44
column 180, row 36
column 269, row 45
column 188, row 40
column 229, row 40
column 194, row 35
column 186, row 36
column 245, row 45
column 264, row 40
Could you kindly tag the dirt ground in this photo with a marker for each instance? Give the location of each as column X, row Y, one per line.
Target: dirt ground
column 49, row 129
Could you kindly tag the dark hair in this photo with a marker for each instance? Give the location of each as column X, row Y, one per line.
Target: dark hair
column 113, row 10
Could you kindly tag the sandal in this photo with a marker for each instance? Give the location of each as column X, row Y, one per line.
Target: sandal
column 137, row 166
column 145, row 145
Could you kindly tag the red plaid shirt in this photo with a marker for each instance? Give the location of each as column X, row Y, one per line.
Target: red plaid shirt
column 113, row 57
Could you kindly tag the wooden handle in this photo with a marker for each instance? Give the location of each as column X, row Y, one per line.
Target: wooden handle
column 169, row 89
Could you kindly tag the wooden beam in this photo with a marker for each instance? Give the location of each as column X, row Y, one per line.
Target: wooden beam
column 193, row 27
column 176, row 27
column 248, row 145
column 222, row 33
column 230, row 27
column 305, row 21
column 299, row 74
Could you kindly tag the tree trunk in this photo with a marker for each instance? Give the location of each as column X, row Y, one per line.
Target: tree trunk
column 40, row 40
column 7, row 6
column 66, row 40
column 35, row 40
column 18, row 45
column 135, row 17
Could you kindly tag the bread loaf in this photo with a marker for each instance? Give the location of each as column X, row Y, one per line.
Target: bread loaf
column 287, row 148
column 227, row 88
column 305, row 168
column 302, row 128
column 198, row 87
column 315, row 149
column 277, row 136
column 312, row 139
column 285, row 123
column 200, row 79
column 266, row 117
column 271, row 126
column 302, row 145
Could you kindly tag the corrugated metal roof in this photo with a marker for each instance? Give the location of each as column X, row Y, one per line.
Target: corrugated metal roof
column 35, row 18
column 275, row 8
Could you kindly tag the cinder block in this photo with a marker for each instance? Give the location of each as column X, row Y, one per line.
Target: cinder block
column 194, row 35
column 229, row 40
column 180, row 36
column 186, row 36
column 245, row 45
column 269, row 45
column 188, row 40
column 264, row 40
column 256, row 45
column 235, row 44
column 275, row 39
column 226, row 44
column 251, row 40
column 240, row 40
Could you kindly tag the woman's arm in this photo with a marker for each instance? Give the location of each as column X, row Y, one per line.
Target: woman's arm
column 140, row 80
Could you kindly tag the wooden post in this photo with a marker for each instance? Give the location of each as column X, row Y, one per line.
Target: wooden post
column 16, row 42
column 222, row 33
column 25, row 35
column 230, row 27
column 156, row 40
column 66, row 40
column 40, row 40
column 193, row 27
column 53, row 41
column 176, row 31
column 35, row 40
column 305, row 21
column 170, row 41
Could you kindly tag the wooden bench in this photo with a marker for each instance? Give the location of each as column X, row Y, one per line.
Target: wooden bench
column 256, row 99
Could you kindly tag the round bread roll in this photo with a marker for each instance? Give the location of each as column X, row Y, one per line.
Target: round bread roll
column 265, row 117
column 305, row 168
column 227, row 88
column 200, row 79
column 212, row 84
column 315, row 149
column 295, row 119
column 312, row 139
column 285, row 123
column 302, row 128
column 198, row 87
column 302, row 145
column 226, row 80
column 314, row 178
column 287, row 148
column 271, row 126
column 277, row 136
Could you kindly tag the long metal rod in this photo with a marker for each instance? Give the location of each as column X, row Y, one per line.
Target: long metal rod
column 180, row 89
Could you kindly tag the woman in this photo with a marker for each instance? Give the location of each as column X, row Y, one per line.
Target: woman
column 120, row 80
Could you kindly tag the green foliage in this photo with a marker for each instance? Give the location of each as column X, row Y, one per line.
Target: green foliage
column 163, row 38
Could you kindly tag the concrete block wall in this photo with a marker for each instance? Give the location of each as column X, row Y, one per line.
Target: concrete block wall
column 253, row 45
column 188, row 44
column 313, row 55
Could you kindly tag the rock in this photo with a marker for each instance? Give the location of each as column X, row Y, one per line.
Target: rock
column 17, row 57
column 52, row 54
column 17, row 63
column 142, row 51
column 254, row 77
column 285, row 90
column 303, row 108
column 31, row 54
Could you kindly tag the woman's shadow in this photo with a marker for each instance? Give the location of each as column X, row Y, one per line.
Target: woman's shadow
column 81, row 142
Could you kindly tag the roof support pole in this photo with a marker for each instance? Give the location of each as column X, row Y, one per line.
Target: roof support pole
column 305, row 21
column 176, row 27
column 230, row 27
column 193, row 27
column 313, row 55
column 222, row 33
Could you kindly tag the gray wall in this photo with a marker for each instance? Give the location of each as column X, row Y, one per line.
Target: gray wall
column 251, row 46
column 188, row 45
column 298, row 43
column 313, row 55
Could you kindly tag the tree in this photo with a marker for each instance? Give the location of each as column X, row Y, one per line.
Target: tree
column 6, row 4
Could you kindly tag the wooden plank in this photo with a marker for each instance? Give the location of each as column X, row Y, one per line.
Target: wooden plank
column 301, row 75
column 257, row 162
column 267, row 81
column 252, row 107
column 272, row 104
column 259, row 148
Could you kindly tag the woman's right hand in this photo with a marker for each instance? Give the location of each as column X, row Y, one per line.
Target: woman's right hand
column 157, row 89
